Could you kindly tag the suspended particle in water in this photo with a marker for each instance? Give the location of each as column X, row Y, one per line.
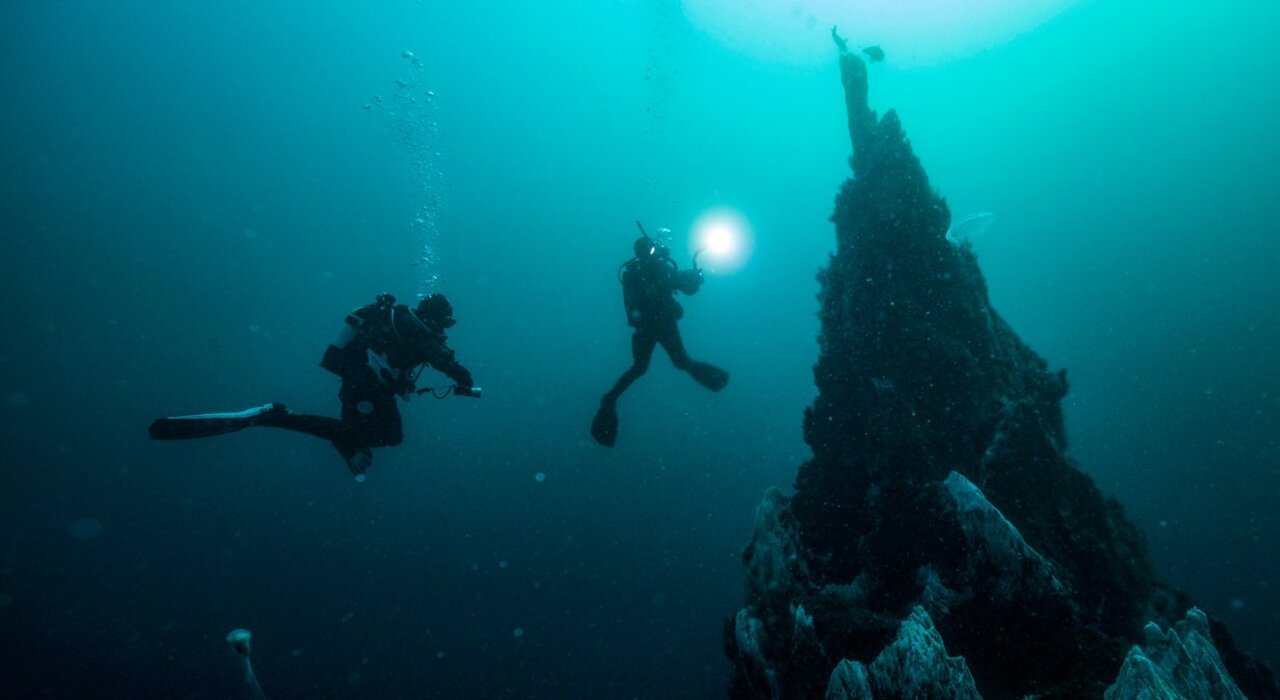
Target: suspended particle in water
column 1237, row 604
column 517, row 632
column 539, row 477
column 407, row 54
column 85, row 528
column 254, row 328
column 503, row 564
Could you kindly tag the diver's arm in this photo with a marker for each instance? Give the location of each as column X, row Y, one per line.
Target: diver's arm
column 631, row 293
column 442, row 359
column 688, row 282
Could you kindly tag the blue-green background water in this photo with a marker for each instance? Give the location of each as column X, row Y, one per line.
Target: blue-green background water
column 192, row 195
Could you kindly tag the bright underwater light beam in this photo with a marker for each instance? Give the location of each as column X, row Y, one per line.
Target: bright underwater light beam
column 719, row 239
column 722, row 238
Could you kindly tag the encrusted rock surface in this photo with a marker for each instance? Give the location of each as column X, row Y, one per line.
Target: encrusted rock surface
column 1177, row 663
column 915, row 665
column 940, row 484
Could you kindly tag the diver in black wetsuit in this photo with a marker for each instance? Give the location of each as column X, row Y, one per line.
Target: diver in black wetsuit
column 379, row 354
column 649, row 283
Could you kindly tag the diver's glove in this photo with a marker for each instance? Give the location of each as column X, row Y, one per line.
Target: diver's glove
column 690, row 281
column 405, row 388
column 463, row 379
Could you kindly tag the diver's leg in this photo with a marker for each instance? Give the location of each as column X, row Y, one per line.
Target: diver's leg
column 338, row 432
column 370, row 418
column 669, row 337
column 370, row 415
column 383, row 427
column 706, row 374
column 320, row 426
column 642, row 345
column 604, row 427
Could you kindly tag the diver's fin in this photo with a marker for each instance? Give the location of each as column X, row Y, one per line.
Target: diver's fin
column 359, row 459
column 207, row 424
column 604, row 427
column 710, row 376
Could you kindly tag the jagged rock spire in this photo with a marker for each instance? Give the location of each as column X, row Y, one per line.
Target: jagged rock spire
column 939, row 480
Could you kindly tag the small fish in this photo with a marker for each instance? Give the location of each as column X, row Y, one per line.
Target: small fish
column 875, row 53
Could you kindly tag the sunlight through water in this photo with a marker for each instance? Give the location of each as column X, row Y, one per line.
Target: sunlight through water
column 911, row 32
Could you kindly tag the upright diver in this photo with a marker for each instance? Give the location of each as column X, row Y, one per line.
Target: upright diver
column 649, row 283
column 379, row 354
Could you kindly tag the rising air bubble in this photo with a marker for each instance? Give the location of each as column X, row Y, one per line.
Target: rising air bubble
column 410, row 122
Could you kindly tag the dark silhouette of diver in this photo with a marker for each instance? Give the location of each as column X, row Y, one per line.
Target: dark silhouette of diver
column 649, row 283
column 379, row 354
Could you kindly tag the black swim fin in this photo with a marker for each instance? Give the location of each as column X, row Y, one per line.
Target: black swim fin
column 710, row 376
column 604, row 427
column 208, row 424
column 359, row 459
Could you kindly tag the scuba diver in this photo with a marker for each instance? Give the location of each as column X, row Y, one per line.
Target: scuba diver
column 382, row 349
column 649, row 283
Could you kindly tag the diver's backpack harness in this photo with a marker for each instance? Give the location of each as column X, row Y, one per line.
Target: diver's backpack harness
column 366, row 338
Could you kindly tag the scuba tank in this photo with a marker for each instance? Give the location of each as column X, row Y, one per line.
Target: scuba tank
column 344, row 352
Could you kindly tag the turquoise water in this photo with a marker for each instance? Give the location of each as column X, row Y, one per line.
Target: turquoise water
column 193, row 195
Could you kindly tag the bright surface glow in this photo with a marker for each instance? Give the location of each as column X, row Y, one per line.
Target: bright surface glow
column 724, row 237
column 912, row 32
